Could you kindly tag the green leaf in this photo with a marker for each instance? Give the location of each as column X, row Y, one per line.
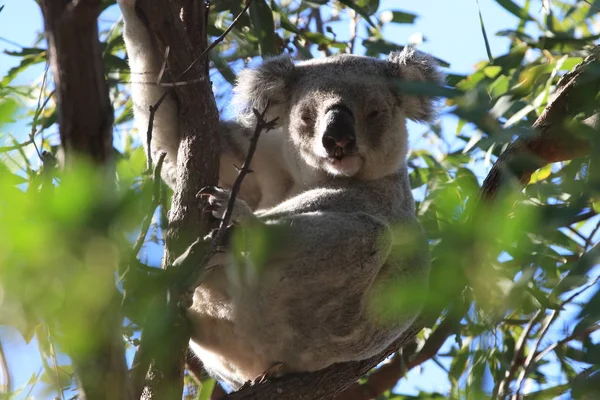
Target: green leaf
column 485, row 38
column 459, row 364
column 8, row 108
column 264, row 27
column 114, row 63
column 514, row 9
column 359, row 10
column 586, row 385
column 35, row 57
column 398, row 17
column 284, row 21
column 206, row 389
column 8, row 178
column 223, row 67
column 317, row 38
column 549, row 393
column 126, row 114
column 316, row 3
column 380, row 46
column 59, row 376
column 25, row 51
column 541, row 174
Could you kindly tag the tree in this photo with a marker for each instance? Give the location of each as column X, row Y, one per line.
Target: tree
column 513, row 253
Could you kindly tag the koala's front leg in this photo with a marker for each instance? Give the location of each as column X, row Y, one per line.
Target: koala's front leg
column 146, row 62
column 218, row 199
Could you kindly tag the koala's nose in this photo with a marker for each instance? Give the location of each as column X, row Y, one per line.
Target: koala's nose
column 339, row 137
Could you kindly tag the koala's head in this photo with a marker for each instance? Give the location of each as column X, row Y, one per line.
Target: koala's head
column 344, row 114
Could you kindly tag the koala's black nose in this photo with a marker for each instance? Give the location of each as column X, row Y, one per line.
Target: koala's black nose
column 339, row 137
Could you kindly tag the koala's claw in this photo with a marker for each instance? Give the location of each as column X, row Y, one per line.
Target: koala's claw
column 274, row 371
column 218, row 199
column 209, row 190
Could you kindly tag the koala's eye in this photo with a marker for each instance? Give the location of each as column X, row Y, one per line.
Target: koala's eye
column 307, row 118
column 374, row 114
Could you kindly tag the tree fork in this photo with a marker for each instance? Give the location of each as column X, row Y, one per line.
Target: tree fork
column 180, row 26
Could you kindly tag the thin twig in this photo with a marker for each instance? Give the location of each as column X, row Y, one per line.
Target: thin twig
column 156, row 200
column 577, row 233
column 39, row 109
column 261, row 125
column 189, row 272
column 527, row 363
column 590, row 238
column 584, row 216
column 5, row 40
column 4, row 149
column 54, row 363
column 542, row 353
column 502, row 387
column 163, row 66
column 532, row 352
column 219, row 39
column 316, row 14
column 153, row 109
column 573, row 336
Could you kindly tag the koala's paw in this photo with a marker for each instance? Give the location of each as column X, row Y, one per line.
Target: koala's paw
column 226, row 238
column 276, row 370
column 218, row 199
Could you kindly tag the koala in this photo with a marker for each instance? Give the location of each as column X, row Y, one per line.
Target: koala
column 333, row 178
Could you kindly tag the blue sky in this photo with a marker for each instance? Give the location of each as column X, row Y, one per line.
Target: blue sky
column 452, row 31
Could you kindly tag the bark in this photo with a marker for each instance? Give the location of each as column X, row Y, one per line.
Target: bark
column 85, row 113
column 181, row 27
column 324, row 384
column 197, row 159
column 552, row 140
column 85, row 118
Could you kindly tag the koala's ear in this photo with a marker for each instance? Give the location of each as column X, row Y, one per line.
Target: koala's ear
column 414, row 66
column 267, row 84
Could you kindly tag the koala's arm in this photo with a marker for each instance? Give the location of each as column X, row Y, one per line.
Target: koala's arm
column 320, row 229
column 146, row 62
column 336, row 238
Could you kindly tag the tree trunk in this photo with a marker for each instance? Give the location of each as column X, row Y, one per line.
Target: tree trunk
column 85, row 118
column 180, row 27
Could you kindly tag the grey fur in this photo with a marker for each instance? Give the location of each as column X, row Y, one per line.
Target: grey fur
column 316, row 299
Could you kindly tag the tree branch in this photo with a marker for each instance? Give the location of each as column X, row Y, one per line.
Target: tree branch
column 386, row 377
column 551, row 141
column 324, row 384
column 85, row 118
column 85, row 113
column 261, row 125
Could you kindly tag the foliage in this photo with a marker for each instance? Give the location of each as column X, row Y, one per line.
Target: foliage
column 529, row 259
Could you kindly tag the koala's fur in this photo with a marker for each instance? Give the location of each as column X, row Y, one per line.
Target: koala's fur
column 315, row 301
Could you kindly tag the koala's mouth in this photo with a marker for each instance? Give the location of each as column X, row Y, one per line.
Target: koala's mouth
column 348, row 164
column 338, row 154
